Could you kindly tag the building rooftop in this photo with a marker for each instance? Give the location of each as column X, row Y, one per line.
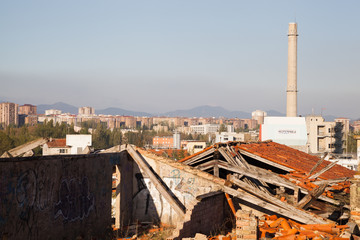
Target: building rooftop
column 57, row 143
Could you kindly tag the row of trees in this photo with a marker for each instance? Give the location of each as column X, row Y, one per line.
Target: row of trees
column 102, row 137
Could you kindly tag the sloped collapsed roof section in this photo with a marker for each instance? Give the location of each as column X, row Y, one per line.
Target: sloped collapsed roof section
column 287, row 157
column 295, row 159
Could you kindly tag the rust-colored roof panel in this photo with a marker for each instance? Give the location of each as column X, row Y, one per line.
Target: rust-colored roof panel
column 295, row 159
column 57, row 143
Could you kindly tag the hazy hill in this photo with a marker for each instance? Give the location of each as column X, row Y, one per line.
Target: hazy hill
column 122, row 112
column 200, row 111
column 64, row 107
column 274, row 113
column 207, row 111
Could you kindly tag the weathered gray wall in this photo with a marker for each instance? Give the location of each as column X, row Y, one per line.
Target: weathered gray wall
column 185, row 182
column 56, row 197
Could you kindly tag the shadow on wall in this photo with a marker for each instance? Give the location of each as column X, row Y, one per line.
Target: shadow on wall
column 133, row 198
column 338, row 134
column 144, row 209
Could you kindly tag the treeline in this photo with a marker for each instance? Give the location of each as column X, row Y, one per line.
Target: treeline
column 102, row 138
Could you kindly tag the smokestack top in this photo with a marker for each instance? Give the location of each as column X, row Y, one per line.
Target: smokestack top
column 292, row 29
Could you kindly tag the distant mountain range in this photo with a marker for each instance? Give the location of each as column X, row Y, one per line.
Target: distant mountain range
column 64, row 107
column 201, row 111
column 207, row 111
column 122, row 112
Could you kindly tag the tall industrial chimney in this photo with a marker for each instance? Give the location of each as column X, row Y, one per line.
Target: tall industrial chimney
column 291, row 95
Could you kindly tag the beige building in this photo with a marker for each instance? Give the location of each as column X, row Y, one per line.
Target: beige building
column 326, row 136
column 9, row 114
column 52, row 112
column 232, row 136
column 88, row 111
column 320, row 134
column 205, row 129
column 259, row 116
column 159, row 128
column 27, row 109
column 193, row 146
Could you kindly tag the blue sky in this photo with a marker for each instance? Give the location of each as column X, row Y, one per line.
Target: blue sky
column 163, row 55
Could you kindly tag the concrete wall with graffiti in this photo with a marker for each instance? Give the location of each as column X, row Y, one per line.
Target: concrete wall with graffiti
column 150, row 205
column 55, row 197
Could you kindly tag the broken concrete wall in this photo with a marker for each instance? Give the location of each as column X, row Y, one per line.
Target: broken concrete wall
column 183, row 181
column 55, row 197
column 124, row 188
column 355, row 199
column 207, row 215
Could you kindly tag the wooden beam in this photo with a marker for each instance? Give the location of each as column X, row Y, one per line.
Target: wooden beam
column 157, row 181
column 270, row 203
column 313, row 195
column 296, row 195
column 198, row 156
column 227, row 157
column 207, row 165
column 271, row 163
column 216, row 168
column 316, row 165
column 328, row 167
column 331, row 181
column 271, row 178
column 200, row 160
column 259, row 173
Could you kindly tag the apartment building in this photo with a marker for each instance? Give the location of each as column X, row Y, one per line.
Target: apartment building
column 52, row 112
column 27, row 109
column 9, row 114
column 193, row 146
column 163, row 142
column 259, row 116
column 326, row 136
column 87, row 111
column 232, row 136
column 205, row 129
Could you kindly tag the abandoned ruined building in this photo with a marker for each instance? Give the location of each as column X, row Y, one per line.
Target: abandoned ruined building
column 242, row 190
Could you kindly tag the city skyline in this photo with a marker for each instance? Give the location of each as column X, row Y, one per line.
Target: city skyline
column 161, row 56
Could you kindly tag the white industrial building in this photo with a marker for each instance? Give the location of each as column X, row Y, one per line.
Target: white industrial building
column 205, row 129
column 290, row 131
column 73, row 144
column 232, row 136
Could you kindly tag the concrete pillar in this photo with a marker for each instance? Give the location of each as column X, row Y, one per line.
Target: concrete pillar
column 291, row 95
column 118, row 222
column 357, row 138
column 355, row 200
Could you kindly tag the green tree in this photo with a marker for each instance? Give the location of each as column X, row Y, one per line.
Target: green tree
column 174, row 155
column 351, row 143
column 116, row 137
column 101, row 137
column 6, row 143
column 222, row 128
column 181, row 154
